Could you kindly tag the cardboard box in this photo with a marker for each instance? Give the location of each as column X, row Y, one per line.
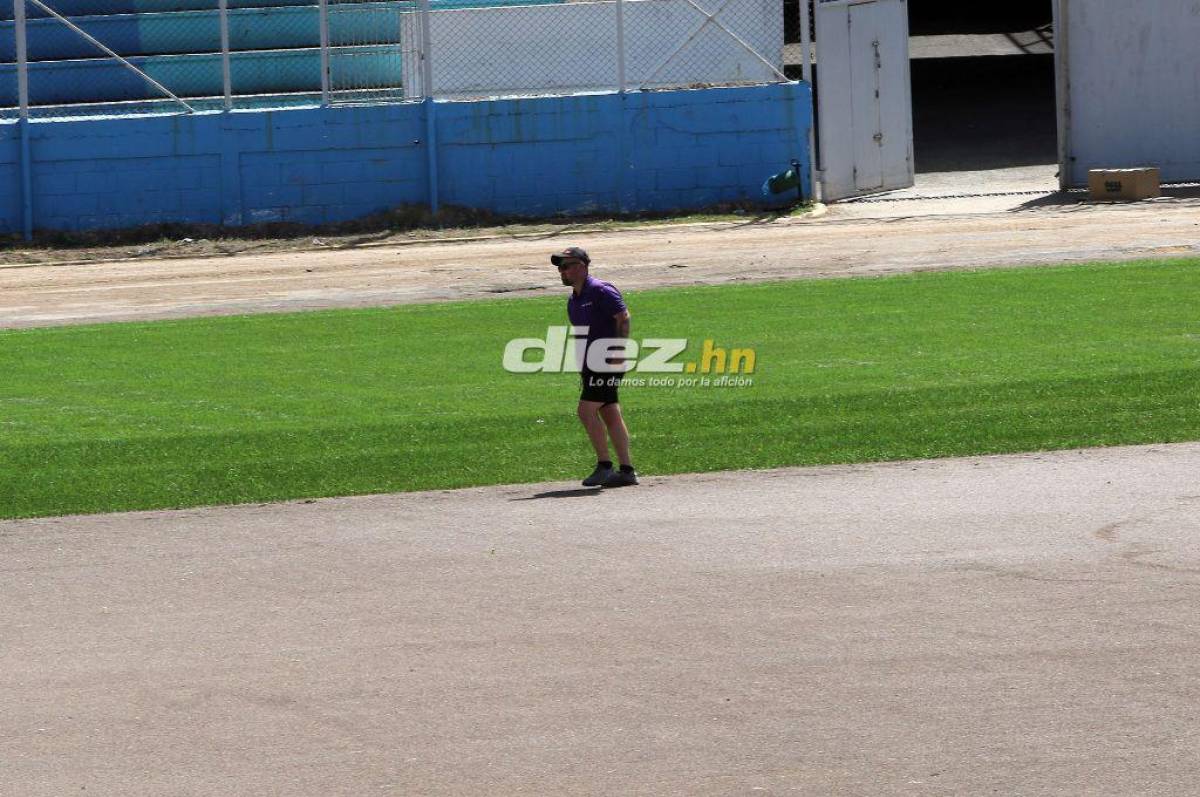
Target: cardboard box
column 1124, row 185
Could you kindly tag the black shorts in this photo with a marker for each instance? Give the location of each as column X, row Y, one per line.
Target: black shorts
column 599, row 387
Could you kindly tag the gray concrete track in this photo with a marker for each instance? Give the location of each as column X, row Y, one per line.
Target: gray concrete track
column 1009, row 625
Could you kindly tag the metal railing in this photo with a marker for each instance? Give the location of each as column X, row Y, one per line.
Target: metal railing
column 67, row 58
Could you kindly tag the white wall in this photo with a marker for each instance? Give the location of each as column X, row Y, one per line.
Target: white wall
column 569, row 47
column 1133, row 78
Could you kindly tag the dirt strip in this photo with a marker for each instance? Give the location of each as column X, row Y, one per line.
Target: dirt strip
column 839, row 244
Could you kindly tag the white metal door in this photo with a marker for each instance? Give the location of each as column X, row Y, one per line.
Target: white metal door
column 864, row 96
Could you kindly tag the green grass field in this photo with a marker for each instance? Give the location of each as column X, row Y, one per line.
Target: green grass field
column 261, row 408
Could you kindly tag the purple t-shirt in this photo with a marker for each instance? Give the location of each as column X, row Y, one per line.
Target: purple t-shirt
column 598, row 301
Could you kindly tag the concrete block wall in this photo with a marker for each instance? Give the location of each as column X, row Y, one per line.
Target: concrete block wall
column 1132, row 87
column 670, row 150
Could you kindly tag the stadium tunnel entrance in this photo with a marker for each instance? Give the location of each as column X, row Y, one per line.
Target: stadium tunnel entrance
column 983, row 85
column 983, row 92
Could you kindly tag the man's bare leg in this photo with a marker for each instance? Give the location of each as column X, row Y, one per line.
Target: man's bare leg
column 611, row 413
column 589, row 415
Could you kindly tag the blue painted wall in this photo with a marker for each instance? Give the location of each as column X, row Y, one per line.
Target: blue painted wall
column 607, row 152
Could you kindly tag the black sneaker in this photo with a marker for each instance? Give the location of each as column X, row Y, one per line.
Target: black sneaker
column 621, row 478
column 599, row 476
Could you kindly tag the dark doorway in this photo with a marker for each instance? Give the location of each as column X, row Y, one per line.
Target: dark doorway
column 983, row 85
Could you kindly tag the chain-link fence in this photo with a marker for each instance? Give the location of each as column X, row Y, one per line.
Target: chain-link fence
column 571, row 47
column 366, row 54
column 65, row 58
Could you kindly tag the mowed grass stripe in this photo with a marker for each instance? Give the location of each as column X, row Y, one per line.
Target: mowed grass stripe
column 260, row 408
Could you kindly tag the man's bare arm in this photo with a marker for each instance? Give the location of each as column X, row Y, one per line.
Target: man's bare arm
column 622, row 319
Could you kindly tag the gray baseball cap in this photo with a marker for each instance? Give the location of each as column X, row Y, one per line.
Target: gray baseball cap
column 570, row 253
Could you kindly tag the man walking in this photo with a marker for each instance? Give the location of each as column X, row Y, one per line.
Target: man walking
column 598, row 305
